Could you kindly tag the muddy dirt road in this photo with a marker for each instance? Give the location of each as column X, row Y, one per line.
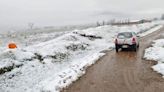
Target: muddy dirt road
column 125, row 71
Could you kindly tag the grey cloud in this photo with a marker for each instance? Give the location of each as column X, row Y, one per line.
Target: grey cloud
column 65, row 12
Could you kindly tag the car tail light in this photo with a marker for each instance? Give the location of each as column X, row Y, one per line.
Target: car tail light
column 133, row 40
column 116, row 41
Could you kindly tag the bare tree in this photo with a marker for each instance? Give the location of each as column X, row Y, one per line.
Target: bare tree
column 98, row 24
column 112, row 21
column 103, row 23
column 31, row 25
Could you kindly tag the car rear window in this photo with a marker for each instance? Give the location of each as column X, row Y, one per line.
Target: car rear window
column 125, row 35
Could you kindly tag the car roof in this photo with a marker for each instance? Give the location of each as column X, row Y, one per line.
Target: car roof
column 127, row 32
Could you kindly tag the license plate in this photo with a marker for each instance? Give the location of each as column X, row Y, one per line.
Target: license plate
column 125, row 46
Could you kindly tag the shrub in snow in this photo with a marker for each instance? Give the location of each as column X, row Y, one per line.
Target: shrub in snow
column 7, row 65
column 71, row 38
column 77, row 46
column 39, row 57
column 58, row 57
column 90, row 37
column 9, row 59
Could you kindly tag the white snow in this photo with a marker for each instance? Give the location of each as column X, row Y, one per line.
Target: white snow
column 151, row 30
column 156, row 53
column 49, row 66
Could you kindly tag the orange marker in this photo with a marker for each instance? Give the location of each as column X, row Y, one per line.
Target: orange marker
column 12, row 46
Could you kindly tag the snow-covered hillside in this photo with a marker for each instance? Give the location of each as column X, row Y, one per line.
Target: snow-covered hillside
column 48, row 66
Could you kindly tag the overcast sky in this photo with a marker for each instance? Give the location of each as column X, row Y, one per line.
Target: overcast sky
column 66, row 12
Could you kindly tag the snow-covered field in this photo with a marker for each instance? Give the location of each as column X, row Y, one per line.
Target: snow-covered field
column 156, row 53
column 24, row 39
column 50, row 65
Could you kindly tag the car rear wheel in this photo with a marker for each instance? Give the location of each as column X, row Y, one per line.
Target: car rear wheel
column 138, row 45
column 117, row 48
column 135, row 47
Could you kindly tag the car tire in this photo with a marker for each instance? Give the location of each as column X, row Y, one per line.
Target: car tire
column 135, row 47
column 117, row 48
column 138, row 45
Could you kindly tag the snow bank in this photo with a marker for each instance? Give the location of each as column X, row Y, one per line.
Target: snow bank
column 52, row 65
column 13, row 58
column 156, row 53
column 63, row 79
column 151, row 30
